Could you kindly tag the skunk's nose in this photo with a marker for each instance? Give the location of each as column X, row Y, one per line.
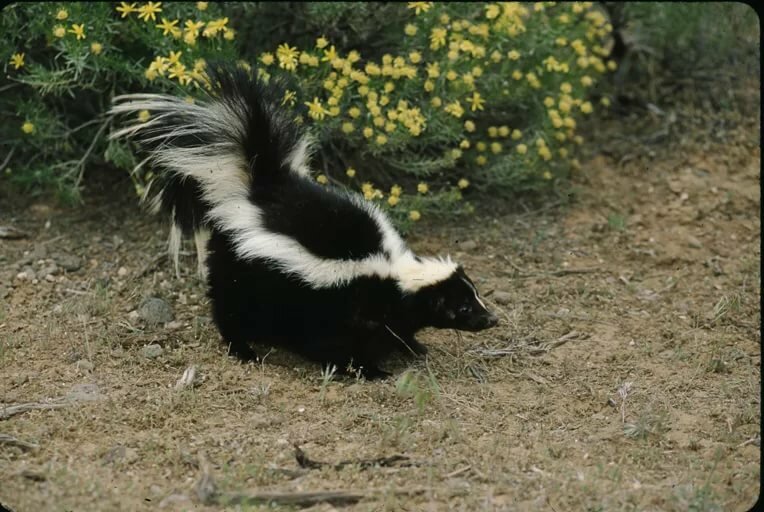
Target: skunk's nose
column 492, row 320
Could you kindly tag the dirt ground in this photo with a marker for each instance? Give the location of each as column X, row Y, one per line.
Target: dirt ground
column 625, row 374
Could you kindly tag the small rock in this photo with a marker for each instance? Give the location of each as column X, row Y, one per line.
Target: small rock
column 68, row 262
column 468, row 245
column 188, row 379
column 122, row 272
column 152, row 351
column 133, row 315
column 502, row 298
column 174, row 325
column 50, row 270
column 694, row 242
column 116, row 241
column 155, row 311
column 85, row 365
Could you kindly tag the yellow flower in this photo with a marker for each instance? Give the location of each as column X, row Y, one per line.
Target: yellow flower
column 174, row 58
column 611, row 65
column 415, row 57
column 287, row 57
column 350, row 172
column 202, row 6
column 126, row 9
column 381, row 139
column 396, row 191
column 379, row 122
column 96, row 48
column 516, row 134
column 547, row 175
column 390, row 127
column 59, row 31
column 267, row 58
column 548, row 102
column 62, row 14
column 544, row 153
column 193, row 26
column 586, row 107
column 455, row 109
column 513, row 55
column 189, row 38
column 323, row 180
column 452, row 75
column 354, row 56
column 422, row 188
column 78, row 31
column 321, row 42
column 480, row 146
column 410, row 30
column 469, row 126
column 566, row 88
column 179, row 71
column 436, row 102
column 27, row 127
column 476, row 102
column 420, row 7
column 316, row 110
column 464, row 144
column 17, row 60
column 169, row 27
column 517, row 74
column 605, row 101
column 496, row 148
column 368, row 132
column 415, row 215
column 143, row 116
column 149, row 11
column 481, row 160
column 492, row 11
column 586, row 81
column 215, row 26
column 438, row 38
column 463, row 183
column 329, row 55
column 522, row 149
column 289, row 98
column 393, row 200
column 354, row 112
column 456, row 153
column 429, row 86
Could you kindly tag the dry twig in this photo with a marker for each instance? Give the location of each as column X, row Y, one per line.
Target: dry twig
column 13, row 441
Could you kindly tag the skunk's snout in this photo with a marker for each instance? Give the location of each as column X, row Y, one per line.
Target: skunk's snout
column 491, row 321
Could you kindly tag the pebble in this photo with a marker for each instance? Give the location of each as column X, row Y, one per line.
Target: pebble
column 68, row 262
column 501, row 297
column 122, row 272
column 152, row 351
column 694, row 242
column 468, row 245
column 156, row 311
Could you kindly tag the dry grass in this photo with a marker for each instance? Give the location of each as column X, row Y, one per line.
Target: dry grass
column 625, row 374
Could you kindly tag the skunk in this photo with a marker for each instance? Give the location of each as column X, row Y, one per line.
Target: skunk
column 289, row 262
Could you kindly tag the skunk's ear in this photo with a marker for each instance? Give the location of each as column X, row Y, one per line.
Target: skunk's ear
column 438, row 302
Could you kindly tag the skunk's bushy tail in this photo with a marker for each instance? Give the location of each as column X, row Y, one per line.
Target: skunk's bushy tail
column 208, row 153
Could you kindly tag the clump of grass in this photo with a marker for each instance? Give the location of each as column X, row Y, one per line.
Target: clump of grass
column 422, row 388
column 327, row 375
column 650, row 423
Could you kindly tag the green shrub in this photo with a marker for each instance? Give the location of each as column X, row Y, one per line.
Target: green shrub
column 64, row 61
column 473, row 95
column 414, row 104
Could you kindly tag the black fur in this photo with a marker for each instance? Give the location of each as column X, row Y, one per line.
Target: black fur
column 356, row 324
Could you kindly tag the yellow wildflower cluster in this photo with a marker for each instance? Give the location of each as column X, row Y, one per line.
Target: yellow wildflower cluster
column 455, row 61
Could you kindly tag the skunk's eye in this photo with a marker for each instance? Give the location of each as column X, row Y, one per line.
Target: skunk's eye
column 463, row 310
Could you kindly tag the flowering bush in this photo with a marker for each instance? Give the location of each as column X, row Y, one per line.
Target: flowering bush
column 64, row 61
column 474, row 96
column 477, row 96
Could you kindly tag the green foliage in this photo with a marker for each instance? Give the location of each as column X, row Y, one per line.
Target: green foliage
column 64, row 61
column 460, row 95
column 680, row 37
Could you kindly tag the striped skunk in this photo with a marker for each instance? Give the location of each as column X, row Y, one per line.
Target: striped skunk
column 289, row 262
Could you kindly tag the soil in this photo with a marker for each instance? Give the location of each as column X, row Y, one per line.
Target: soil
column 625, row 374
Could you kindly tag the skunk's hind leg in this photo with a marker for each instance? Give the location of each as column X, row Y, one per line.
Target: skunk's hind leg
column 241, row 350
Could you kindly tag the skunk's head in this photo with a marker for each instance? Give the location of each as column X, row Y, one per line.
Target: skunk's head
column 454, row 303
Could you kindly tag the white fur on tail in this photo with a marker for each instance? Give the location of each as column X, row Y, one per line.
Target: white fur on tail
column 221, row 171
